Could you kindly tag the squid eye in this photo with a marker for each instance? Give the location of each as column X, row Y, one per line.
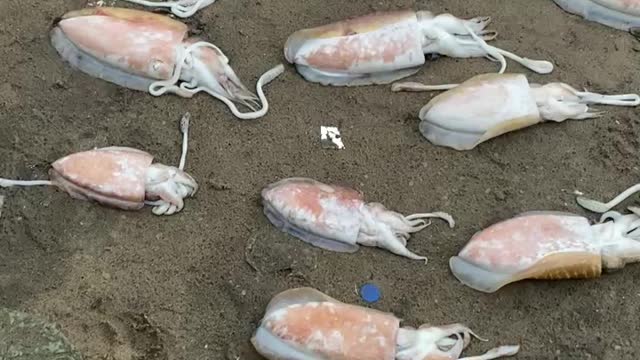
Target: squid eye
column 157, row 65
column 432, row 56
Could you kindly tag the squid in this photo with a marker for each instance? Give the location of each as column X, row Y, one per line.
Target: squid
column 618, row 14
column 179, row 8
column 387, row 46
column 337, row 218
column 149, row 52
column 489, row 105
column 122, row 178
column 547, row 246
column 305, row 324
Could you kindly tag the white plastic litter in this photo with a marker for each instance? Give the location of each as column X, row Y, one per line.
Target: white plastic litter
column 331, row 138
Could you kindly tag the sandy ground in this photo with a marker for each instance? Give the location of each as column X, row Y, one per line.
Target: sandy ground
column 130, row 285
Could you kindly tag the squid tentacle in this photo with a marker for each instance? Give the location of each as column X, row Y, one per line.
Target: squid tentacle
column 178, row 8
column 266, row 78
column 184, row 129
column 490, row 50
column 600, row 207
column 447, row 341
column 610, row 215
column 185, row 61
column 494, row 54
column 539, row 66
column 595, row 98
column 497, row 352
column 634, row 209
column 418, row 225
column 164, row 207
column 10, row 182
column 419, row 87
column 438, row 214
column 456, row 348
column 464, row 333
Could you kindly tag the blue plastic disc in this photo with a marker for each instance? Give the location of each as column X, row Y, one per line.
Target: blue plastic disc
column 370, row 293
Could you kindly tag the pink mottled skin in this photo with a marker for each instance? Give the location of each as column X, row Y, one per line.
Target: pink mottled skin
column 518, row 243
column 306, row 324
column 308, row 196
column 351, row 51
column 144, row 46
column 336, row 329
column 376, row 41
column 346, row 28
column 118, row 174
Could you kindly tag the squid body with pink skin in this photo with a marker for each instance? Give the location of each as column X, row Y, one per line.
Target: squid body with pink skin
column 149, row 52
column 386, row 46
column 305, row 324
column 121, row 177
column 337, row 218
column 547, row 246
